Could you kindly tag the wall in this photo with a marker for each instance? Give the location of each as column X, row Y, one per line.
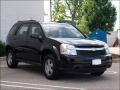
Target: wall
column 13, row 11
column 111, row 38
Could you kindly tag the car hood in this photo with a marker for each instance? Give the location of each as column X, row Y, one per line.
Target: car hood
column 80, row 42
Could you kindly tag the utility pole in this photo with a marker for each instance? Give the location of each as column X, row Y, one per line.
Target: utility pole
column 0, row 20
column 50, row 10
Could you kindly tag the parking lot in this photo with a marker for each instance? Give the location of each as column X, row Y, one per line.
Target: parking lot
column 30, row 77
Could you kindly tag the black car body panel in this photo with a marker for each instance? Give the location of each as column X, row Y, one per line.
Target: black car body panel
column 31, row 49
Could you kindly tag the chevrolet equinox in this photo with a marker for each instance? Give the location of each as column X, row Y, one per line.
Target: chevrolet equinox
column 56, row 47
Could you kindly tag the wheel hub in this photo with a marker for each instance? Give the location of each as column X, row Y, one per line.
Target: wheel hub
column 49, row 67
column 9, row 58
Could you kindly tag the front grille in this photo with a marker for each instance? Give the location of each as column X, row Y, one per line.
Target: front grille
column 89, row 46
column 90, row 52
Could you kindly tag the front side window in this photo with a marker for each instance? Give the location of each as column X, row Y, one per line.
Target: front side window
column 61, row 31
column 35, row 29
column 23, row 30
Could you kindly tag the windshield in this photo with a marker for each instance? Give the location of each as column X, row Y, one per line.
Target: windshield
column 61, row 31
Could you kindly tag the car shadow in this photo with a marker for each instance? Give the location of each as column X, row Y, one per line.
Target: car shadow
column 31, row 68
column 82, row 77
column 65, row 77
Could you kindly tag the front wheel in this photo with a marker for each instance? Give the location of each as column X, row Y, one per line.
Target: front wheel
column 50, row 67
column 11, row 60
column 97, row 73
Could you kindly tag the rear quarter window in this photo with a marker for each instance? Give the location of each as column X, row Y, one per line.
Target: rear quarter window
column 13, row 29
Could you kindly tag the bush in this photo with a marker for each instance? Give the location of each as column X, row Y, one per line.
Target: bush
column 2, row 48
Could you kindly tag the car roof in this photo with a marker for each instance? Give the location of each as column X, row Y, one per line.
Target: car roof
column 43, row 23
column 28, row 21
column 57, row 23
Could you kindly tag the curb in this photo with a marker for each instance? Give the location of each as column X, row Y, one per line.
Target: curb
column 116, row 58
column 116, row 61
column 2, row 58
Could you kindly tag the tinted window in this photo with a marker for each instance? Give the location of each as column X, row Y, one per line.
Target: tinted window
column 13, row 29
column 35, row 29
column 23, row 30
column 61, row 31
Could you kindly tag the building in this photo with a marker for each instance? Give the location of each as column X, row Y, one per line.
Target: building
column 114, row 38
column 13, row 11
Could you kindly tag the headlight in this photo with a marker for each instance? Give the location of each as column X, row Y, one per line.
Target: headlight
column 67, row 49
column 107, row 49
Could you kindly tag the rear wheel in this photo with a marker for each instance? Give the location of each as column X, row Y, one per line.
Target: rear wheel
column 11, row 60
column 97, row 73
column 50, row 67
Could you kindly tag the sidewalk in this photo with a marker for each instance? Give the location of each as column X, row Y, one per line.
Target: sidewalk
column 115, row 51
column 2, row 58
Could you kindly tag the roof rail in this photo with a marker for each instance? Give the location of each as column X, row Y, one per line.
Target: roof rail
column 27, row 20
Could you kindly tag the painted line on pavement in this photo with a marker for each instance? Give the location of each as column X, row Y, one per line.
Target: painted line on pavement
column 111, row 72
column 24, row 87
column 52, row 86
column 2, row 66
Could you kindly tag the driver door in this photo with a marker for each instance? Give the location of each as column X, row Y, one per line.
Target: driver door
column 33, row 43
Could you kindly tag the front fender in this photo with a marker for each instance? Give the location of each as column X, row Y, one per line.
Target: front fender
column 55, row 50
column 52, row 49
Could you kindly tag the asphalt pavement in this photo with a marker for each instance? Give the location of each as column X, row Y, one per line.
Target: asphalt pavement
column 30, row 77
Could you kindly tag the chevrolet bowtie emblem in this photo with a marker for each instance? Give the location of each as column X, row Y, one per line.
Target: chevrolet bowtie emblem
column 93, row 49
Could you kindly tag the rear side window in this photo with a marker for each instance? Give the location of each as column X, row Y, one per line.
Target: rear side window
column 23, row 30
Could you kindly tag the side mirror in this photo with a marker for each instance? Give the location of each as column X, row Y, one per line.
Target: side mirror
column 36, row 36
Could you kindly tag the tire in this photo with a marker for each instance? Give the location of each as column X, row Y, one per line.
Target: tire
column 50, row 67
column 97, row 73
column 11, row 60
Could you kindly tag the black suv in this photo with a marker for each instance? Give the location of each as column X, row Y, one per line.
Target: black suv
column 57, row 47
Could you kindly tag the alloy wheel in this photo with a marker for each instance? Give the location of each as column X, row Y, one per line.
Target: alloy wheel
column 49, row 67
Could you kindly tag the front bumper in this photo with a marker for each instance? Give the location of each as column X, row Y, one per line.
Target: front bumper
column 84, row 63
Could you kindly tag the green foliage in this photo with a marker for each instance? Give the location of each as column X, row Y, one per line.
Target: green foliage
column 67, row 9
column 2, row 48
column 59, row 12
column 87, row 14
column 97, row 14
column 74, row 7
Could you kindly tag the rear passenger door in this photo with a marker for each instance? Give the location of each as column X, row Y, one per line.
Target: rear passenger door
column 20, row 41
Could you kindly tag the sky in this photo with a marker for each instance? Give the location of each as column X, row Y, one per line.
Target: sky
column 116, row 4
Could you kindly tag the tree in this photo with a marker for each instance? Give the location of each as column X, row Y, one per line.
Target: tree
column 74, row 8
column 61, row 8
column 59, row 12
column 97, row 14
